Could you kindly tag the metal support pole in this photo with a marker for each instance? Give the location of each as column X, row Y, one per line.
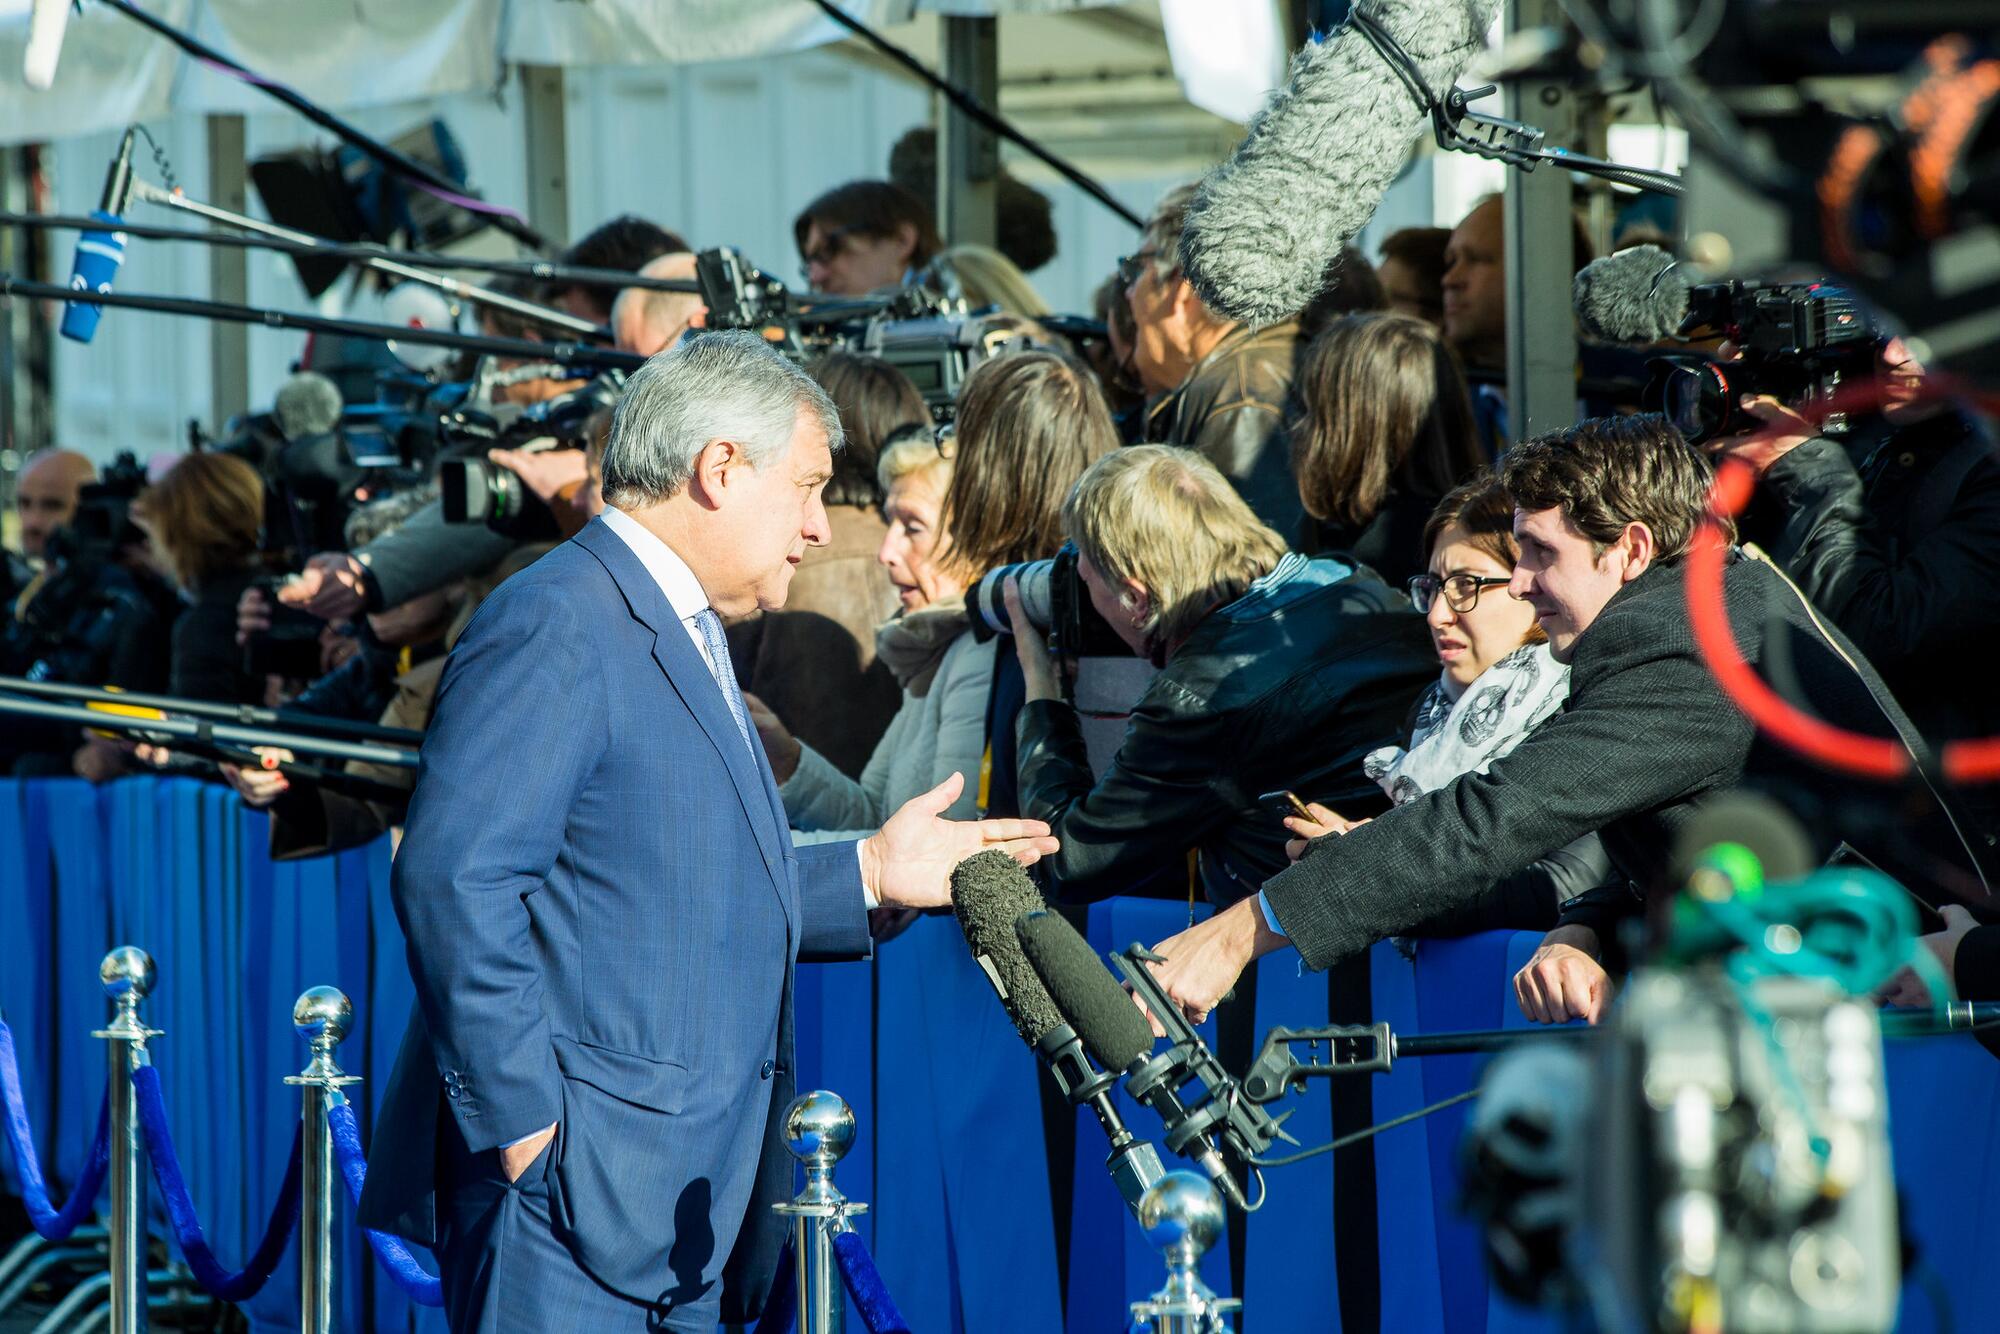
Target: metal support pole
column 969, row 164
column 819, row 1128
column 547, row 146
column 322, row 1016
column 228, row 275
column 1182, row 1217
column 128, row 977
column 1541, row 331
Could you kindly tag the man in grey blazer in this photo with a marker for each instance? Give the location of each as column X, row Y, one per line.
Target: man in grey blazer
column 1605, row 512
column 600, row 893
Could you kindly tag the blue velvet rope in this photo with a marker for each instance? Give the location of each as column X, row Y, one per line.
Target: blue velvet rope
column 781, row 1311
column 229, row 1285
column 52, row 1223
column 422, row 1288
column 865, row 1286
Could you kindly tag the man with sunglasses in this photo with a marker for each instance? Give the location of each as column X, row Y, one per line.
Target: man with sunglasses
column 1215, row 386
column 862, row 237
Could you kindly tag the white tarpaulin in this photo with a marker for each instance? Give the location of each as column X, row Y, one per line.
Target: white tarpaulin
column 347, row 54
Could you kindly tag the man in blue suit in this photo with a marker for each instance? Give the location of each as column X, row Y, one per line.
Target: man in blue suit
column 601, row 897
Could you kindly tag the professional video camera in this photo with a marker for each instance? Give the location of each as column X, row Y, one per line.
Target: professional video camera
column 474, row 489
column 928, row 335
column 1800, row 343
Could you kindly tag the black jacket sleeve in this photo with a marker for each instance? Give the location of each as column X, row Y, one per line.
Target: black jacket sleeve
column 1136, row 824
column 1649, row 730
column 1894, row 610
column 207, row 663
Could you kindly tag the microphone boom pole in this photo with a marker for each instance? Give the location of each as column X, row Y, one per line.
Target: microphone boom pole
column 519, row 349
column 452, row 287
column 574, row 275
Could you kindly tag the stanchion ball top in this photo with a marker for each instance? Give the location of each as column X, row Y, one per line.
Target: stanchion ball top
column 323, row 1015
column 819, row 1125
column 127, row 970
column 1181, row 1208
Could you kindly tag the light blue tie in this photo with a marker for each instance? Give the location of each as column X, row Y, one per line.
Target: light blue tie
column 725, row 674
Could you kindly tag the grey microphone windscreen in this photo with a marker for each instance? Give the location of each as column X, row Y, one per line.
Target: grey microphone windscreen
column 1318, row 158
column 989, row 892
column 1113, row 1030
column 1756, row 822
column 1636, row 296
column 307, row 404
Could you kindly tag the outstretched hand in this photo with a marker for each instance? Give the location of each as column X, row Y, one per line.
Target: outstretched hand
column 909, row 861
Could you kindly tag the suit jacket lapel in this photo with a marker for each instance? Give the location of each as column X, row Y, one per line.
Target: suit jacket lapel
column 688, row 674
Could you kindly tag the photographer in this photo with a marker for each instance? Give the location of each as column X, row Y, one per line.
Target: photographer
column 92, row 614
column 1606, row 511
column 1893, row 531
column 1277, row 673
column 863, row 236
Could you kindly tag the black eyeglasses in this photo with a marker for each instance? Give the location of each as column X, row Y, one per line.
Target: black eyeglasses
column 1461, row 591
column 1130, row 267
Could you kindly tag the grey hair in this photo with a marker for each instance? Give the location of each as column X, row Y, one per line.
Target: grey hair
column 718, row 385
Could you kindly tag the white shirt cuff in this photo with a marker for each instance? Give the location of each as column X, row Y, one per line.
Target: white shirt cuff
column 868, row 899
column 525, row 1138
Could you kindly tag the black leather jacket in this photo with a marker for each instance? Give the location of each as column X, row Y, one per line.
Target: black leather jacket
column 1286, row 687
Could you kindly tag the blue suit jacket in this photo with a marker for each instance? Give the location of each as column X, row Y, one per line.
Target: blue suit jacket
column 603, row 908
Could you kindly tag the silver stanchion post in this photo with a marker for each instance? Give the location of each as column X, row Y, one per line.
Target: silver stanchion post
column 819, row 1127
column 1182, row 1217
column 322, row 1016
column 127, row 974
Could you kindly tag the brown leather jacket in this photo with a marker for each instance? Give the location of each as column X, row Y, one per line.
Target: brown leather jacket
column 1234, row 407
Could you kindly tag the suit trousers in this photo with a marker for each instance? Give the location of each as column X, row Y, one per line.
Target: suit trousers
column 506, row 1270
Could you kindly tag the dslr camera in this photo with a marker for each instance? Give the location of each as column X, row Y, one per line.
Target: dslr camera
column 1800, row 343
column 1055, row 602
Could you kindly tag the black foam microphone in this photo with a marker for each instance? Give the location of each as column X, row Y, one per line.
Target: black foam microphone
column 1116, row 1033
column 989, row 891
column 1319, row 157
column 1634, row 298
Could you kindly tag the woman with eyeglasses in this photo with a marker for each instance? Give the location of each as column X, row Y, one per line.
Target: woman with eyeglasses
column 1498, row 684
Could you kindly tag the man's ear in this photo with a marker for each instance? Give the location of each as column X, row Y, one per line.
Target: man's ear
column 1137, row 597
column 1640, row 549
column 906, row 242
column 714, row 471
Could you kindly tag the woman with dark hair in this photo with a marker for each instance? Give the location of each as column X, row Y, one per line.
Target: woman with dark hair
column 1498, row 684
column 203, row 519
column 1386, row 428
column 813, row 663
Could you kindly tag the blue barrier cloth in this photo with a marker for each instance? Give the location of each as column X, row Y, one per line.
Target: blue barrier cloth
column 419, row 1286
column 864, row 1285
column 219, row 1282
column 52, row 1223
column 781, row 1311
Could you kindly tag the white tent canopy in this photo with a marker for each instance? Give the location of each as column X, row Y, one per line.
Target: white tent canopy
column 364, row 53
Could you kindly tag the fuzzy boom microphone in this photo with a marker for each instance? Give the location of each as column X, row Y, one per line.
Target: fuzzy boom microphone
column 1318, row 158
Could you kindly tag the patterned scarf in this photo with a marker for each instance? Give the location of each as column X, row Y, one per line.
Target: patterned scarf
column 1507, row 701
